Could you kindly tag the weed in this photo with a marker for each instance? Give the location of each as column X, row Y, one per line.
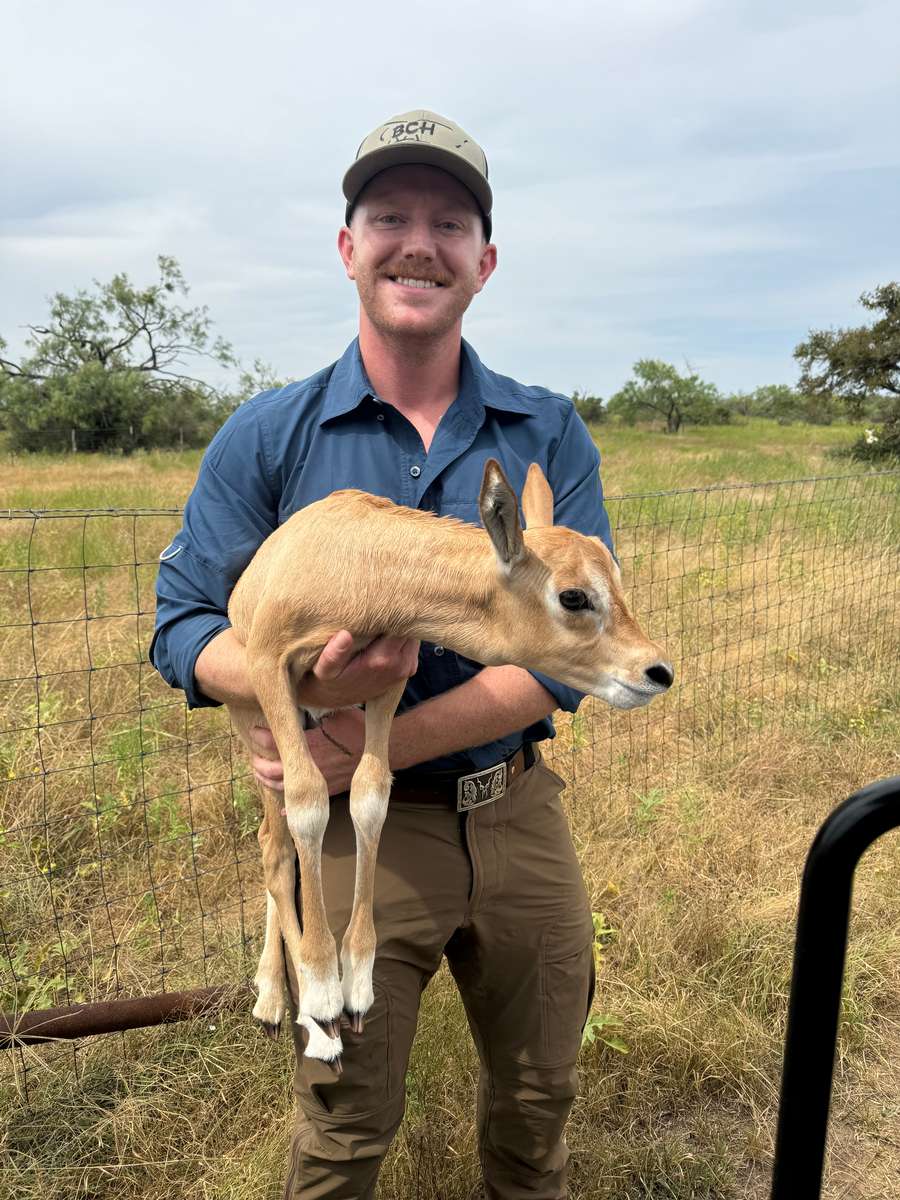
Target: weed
column 646, row 811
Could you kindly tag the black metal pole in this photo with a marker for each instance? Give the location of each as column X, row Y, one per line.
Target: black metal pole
column 822, row 924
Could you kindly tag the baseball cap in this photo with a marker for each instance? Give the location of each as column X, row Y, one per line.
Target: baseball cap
column 425, row 137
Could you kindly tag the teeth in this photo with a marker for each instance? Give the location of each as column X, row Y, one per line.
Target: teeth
column 419, row 283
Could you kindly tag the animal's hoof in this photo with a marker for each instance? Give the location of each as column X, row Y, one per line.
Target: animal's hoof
column 337, row 1065
column 356, row 1020
column 319, row 1043
column 272, row 1029
column 330, row 1028
column 269, row 1011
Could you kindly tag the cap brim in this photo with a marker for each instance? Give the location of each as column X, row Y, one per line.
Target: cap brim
column 408, row 153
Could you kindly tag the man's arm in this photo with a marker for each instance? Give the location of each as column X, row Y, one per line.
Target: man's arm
column 494, row 703
column 339, row 677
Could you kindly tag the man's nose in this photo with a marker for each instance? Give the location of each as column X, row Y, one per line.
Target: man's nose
column 418, row 241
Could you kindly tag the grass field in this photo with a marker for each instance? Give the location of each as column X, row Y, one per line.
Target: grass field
column 128, row 859
column 634, row 460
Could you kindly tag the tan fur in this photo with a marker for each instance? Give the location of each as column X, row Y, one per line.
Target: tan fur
column 358, row 562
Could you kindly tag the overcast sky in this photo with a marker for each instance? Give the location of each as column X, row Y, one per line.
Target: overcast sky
column 692, row 180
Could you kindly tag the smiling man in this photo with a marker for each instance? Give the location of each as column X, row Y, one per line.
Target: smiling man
column 409, row 412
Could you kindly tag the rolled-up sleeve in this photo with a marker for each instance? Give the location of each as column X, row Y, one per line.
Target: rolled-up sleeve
column 230, row 512
column 574, row 478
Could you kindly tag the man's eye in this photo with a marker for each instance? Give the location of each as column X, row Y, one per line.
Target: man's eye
column 574, row 599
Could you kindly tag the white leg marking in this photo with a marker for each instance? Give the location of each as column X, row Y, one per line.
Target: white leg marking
column 368, row 812
column 356, row 982
column 321, row 998
column 307, row 821
column 269, row 1006
column 270, row 977
column 320, row 1045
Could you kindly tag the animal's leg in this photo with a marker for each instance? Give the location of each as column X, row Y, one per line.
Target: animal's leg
column 312, row 951
column 370, row 791
column 270, row 975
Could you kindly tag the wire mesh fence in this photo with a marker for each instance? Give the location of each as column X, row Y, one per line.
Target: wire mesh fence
column 128, row 857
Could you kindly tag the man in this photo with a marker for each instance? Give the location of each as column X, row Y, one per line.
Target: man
column 410, row 413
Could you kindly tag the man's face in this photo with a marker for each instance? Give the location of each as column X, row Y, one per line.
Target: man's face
column 414, row 225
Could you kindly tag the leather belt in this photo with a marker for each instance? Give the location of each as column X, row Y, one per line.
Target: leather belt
column 464, row 792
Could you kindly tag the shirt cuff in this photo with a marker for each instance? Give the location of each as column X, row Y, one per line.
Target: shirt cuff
column 566, row 698
column 176, row 663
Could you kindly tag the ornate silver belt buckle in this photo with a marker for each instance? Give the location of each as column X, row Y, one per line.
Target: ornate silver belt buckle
column 481, row 787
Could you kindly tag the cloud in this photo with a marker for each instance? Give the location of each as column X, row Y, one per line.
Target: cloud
column 701, row 180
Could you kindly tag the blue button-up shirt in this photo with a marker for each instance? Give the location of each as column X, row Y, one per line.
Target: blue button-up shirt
column 288, row 447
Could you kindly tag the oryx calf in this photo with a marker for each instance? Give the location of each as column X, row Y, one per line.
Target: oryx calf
column 549, row 599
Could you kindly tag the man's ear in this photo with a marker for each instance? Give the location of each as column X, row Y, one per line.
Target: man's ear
column 500, row 515
column 345, row 250
column 537, row 499
column 486, row 265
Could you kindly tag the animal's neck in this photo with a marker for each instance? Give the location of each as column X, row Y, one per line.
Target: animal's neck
column 460, row 597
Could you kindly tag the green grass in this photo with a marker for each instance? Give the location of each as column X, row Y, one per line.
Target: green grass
column 123, row 868
column 635, row 459
column 645, row 459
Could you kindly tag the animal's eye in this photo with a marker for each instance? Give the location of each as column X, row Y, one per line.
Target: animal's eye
column 574, row 599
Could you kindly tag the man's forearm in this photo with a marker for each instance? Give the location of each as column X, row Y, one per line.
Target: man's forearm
column 496, row 702
column 221, row 670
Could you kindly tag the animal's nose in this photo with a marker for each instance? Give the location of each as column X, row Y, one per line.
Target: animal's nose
column 661, row 675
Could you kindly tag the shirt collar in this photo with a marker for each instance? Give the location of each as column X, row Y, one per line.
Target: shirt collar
column 478, row 387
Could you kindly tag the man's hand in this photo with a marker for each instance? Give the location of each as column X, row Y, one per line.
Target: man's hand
column 346, row 731
column 340, row 678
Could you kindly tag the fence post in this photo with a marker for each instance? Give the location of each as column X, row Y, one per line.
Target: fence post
column 822, row 922
column 74, row 441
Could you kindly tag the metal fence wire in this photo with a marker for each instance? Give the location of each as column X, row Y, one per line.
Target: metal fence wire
column 128, row 857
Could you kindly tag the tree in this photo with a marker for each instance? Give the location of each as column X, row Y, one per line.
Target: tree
column 115, row 364
column 589, row 408
column 659, row 390
column 862, row 368
column 856, row 364
column 782, row 403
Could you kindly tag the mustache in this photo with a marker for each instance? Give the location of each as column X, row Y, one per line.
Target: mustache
column 413, row 271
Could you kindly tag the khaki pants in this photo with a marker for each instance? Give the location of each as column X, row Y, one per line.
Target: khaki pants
column 499, row 892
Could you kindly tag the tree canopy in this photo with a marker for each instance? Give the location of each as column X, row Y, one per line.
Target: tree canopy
column 785, row 404
column 115, row 364
column 856, row 364
column 861, row 366
column 658, row 389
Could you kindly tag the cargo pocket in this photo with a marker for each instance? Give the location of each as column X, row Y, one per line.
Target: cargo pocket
column 567, row 994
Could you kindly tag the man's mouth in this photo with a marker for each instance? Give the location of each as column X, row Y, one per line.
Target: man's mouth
column 410, row 281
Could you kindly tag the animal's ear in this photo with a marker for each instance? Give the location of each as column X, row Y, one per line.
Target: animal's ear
column 500, row 514
column 537, row 499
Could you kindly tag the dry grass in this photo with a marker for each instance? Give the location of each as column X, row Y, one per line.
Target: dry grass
column 128, row 862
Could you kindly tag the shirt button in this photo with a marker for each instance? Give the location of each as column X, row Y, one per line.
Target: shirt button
column 379, row 416
column 439, row 650
column 415, row 472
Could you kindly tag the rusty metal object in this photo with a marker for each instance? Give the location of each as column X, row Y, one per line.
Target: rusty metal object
column 112, row 1016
